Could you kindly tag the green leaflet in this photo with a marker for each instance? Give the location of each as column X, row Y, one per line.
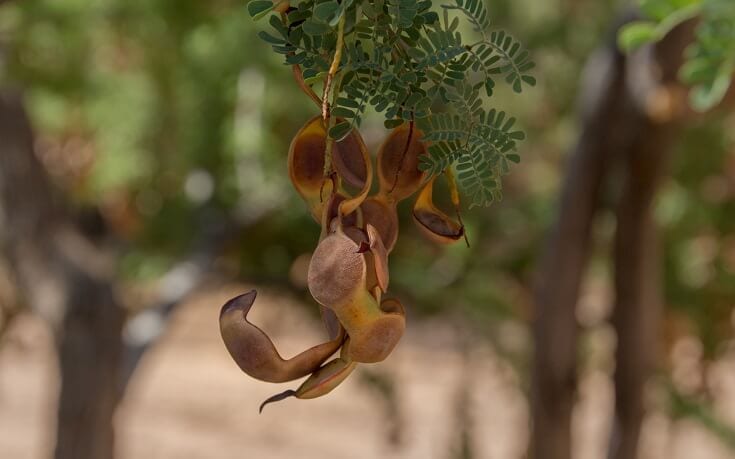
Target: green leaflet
column 407, row 63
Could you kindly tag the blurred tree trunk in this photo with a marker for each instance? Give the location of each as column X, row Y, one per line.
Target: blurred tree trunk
column 638, row 300
column 65, row 279
column 629, row 105
column 565, row 259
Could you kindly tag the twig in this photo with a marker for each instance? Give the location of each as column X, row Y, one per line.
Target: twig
column 328, row 120
column 299, row 77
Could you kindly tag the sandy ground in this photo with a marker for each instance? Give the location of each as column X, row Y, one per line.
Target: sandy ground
column 188, row 400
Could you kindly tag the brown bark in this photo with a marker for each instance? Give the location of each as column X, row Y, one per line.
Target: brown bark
column 637, row 310
column 555, row 330
column 63, row 277
column 629, row 105
column 638, row 303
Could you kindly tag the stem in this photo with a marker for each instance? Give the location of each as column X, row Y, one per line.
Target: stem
column 454, row 193
column 403, row 156
column 333, row 68
column 329, row 120
column 299, row 77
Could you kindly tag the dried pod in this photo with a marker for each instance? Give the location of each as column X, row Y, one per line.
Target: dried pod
column 337, row 270
column 380, row 257
column 322, row 381
column 331, row 322
column 332, row 219
column 398, row 162
column 381, row 328
column 338, row 280
column 255, row 353
column 352, row 161
column 380, row 212
column 434, row 223
column 306, row 166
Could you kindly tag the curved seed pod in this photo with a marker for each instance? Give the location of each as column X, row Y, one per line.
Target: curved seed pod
column 374, row 340
column 337, row 279
column 331, row 218
column 331, row 322
column 398, row 162
column 380, row 257
column 306, row 166
column 352, row 161
column 337, row 270
column 434, row 223
column 371, row 282
column 255, row 353
column 322, row 381
column 380, row 212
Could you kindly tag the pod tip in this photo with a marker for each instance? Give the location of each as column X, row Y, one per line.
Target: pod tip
column 276, row 398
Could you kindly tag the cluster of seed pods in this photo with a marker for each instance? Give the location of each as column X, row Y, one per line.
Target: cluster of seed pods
column 348, row 272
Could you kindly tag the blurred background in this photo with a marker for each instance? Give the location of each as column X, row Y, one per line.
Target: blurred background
column 156, row 189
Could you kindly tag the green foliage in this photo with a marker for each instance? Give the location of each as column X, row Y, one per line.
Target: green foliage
column 710, row 60
column 408, row 63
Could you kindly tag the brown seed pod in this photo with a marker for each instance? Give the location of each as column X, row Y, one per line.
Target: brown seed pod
column 332, row 219
column 338, row 280
column 377, row 336
column 434, row 223
column 331, row 322
column 255, row 353
column 337, row 270
column 322, row 381
column 398, row 162
column 306, row 166
column 380, row 257
column 380, row 212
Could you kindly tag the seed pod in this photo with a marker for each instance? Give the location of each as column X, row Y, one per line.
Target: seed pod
column 322, row 381
column 434, row 223
column 398, row 161
column 380, row 212
column 373, row 331
column 306, row 166
column 332, row 219
column 255, row 353
column 331, row 322
column 338, row 280
column 380, row 257
column 375, row 339
column 337, row 270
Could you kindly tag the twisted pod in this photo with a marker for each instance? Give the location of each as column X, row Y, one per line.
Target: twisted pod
column 348, row 273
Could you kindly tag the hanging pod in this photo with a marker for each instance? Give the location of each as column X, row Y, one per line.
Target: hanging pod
column 398, row 162
column 256, row 354
column 380, row 212
column 332, row 218
column 337, row 279
column 377, row 338
column 434, row 223
column 378, row 265
column 323, row 381
column 350, row 159
column 337, row 270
